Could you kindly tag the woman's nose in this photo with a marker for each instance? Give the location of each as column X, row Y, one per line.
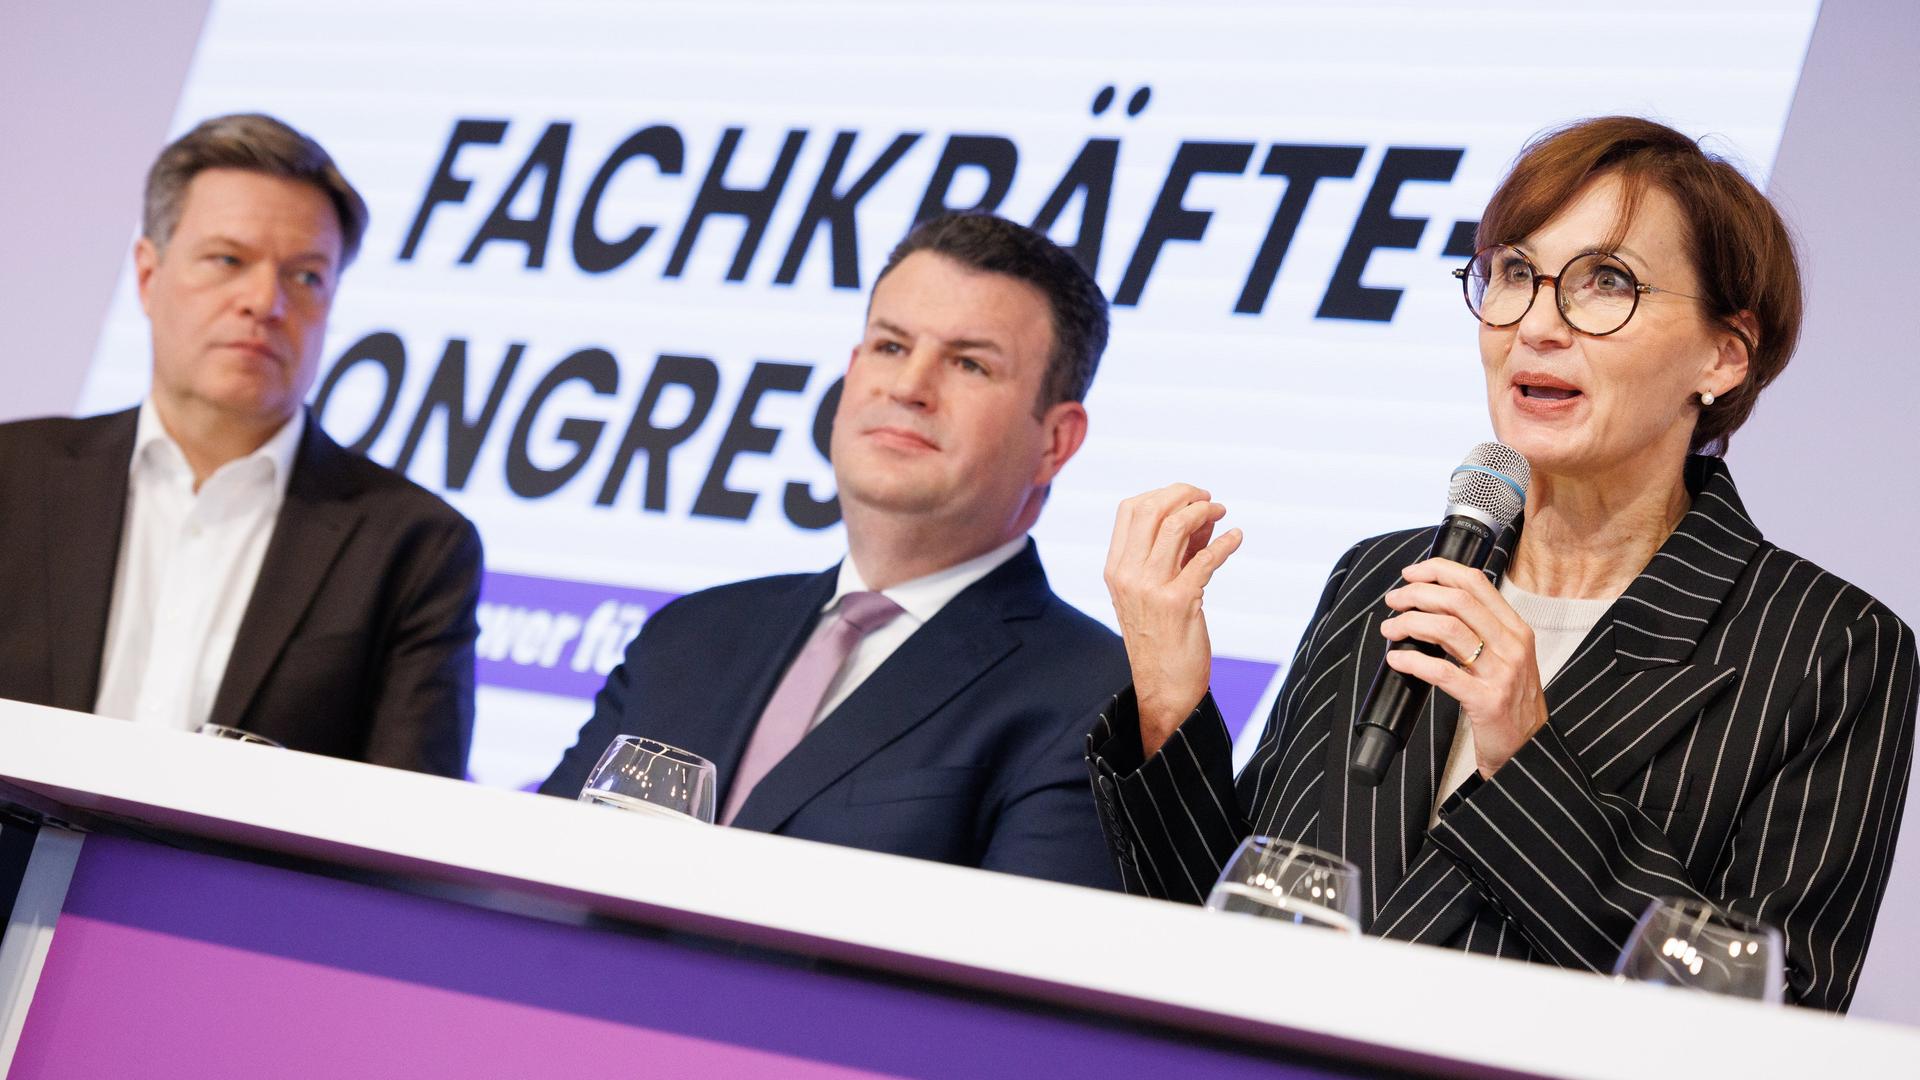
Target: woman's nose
column 1544, row 326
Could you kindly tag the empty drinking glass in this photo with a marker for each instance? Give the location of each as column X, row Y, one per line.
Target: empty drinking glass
column 219, row 731
column 1691, row 943
column 652, row 777
column 1280, row 879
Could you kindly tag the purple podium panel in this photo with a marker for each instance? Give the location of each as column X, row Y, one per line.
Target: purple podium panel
column 171, row 963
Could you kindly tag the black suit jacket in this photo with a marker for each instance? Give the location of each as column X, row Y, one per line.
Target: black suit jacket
column 962, row 747
column 357, row 641
column 1738, row 726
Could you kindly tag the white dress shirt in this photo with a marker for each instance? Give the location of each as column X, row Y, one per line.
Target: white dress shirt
column 188, row 562
column 1559, row 626
column 920, row 600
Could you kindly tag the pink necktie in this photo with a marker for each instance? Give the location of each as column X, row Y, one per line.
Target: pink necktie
column 789, row 713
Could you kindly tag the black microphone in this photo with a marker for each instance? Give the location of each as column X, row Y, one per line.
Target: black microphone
column 1487, row 492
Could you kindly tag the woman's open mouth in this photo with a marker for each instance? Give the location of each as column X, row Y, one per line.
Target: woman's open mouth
column 1538, row 392
column 1548, row 393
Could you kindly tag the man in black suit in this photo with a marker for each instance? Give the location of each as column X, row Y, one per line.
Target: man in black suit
column 922, row 698
column 212, row 556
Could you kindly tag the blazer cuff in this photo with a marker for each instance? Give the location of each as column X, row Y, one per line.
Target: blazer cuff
column 1171, row 820
column 1114, row 743
column 1461, row 794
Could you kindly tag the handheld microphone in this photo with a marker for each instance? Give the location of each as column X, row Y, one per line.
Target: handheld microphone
column 1487, row 492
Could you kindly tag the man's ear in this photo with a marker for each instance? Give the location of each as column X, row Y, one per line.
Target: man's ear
column 146, row 258
column 1065, row 428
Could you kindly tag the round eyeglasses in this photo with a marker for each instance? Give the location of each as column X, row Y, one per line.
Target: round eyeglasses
column 1595, row 292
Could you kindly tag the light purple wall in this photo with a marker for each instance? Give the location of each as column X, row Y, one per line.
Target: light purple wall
column 86, row 95
column 1827, row 465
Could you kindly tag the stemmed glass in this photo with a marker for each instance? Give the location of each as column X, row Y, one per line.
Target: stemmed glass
column 1691, row 943
column 220, row 731
column 1279, row 879
column 651, row 777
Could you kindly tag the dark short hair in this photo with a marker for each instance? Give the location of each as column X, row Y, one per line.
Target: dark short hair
column 994, row 245
column 251, row 142
column 1741, row 249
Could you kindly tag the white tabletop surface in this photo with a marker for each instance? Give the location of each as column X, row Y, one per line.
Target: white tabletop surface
column 1180, row 965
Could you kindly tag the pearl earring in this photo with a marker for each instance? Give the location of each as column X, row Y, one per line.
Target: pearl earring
column 1706, row 397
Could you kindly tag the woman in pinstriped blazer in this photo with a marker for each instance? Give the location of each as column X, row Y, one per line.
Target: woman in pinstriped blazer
column 1642, row 696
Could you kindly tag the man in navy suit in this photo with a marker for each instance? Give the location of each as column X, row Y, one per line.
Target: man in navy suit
column 924, row 697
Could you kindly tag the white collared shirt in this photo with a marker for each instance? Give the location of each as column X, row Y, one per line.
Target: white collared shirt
column 188, row 562
column 920, row 600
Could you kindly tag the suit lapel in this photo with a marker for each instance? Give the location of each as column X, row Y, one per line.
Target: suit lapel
column 955, row 648
column 769, row 644
column 1615, row 719
column 315, row 520
column 1628, row 690
column 85, row 507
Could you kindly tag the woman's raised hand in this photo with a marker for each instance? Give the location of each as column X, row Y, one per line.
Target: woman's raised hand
column 1162, row 556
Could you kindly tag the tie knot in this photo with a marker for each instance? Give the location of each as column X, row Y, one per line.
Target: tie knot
column 867, row 611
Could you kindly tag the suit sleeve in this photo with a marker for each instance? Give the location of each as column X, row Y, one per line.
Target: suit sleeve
column 1172, row 821
column 1574, row 868
column 1046, row 829
column 422, row 703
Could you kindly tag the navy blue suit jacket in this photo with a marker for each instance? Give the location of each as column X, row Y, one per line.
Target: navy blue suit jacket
column 964, row 747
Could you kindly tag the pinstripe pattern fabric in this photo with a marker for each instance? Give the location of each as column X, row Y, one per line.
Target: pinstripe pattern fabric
column 1738, row 726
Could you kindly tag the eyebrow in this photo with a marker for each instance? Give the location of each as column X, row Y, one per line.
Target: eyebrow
column 223, row 240
column 1622, row 249
column 1616, row 250
column 984, row 344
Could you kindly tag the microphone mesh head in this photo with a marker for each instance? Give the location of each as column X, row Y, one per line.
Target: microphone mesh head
column 1493, row 480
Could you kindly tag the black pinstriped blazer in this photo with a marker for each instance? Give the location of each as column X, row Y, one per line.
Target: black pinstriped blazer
column 1738, row 726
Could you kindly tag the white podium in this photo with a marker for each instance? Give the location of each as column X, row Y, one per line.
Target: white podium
column 184, row 906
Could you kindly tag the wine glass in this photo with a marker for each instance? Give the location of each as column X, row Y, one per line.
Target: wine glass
column 221, row 731
column 651, row 777
column 1279, row 879
column 1691, row 943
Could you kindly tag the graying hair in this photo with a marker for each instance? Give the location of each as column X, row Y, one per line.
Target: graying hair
column 252, row 142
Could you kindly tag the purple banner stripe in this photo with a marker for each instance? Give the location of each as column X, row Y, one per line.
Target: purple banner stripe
column 554, row 636
column 562, row 637
column 1237, row 689
column 194, row 964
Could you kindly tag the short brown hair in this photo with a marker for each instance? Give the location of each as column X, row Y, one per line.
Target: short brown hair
column 251, row 142
column 994, row 245
column 1741, row 249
